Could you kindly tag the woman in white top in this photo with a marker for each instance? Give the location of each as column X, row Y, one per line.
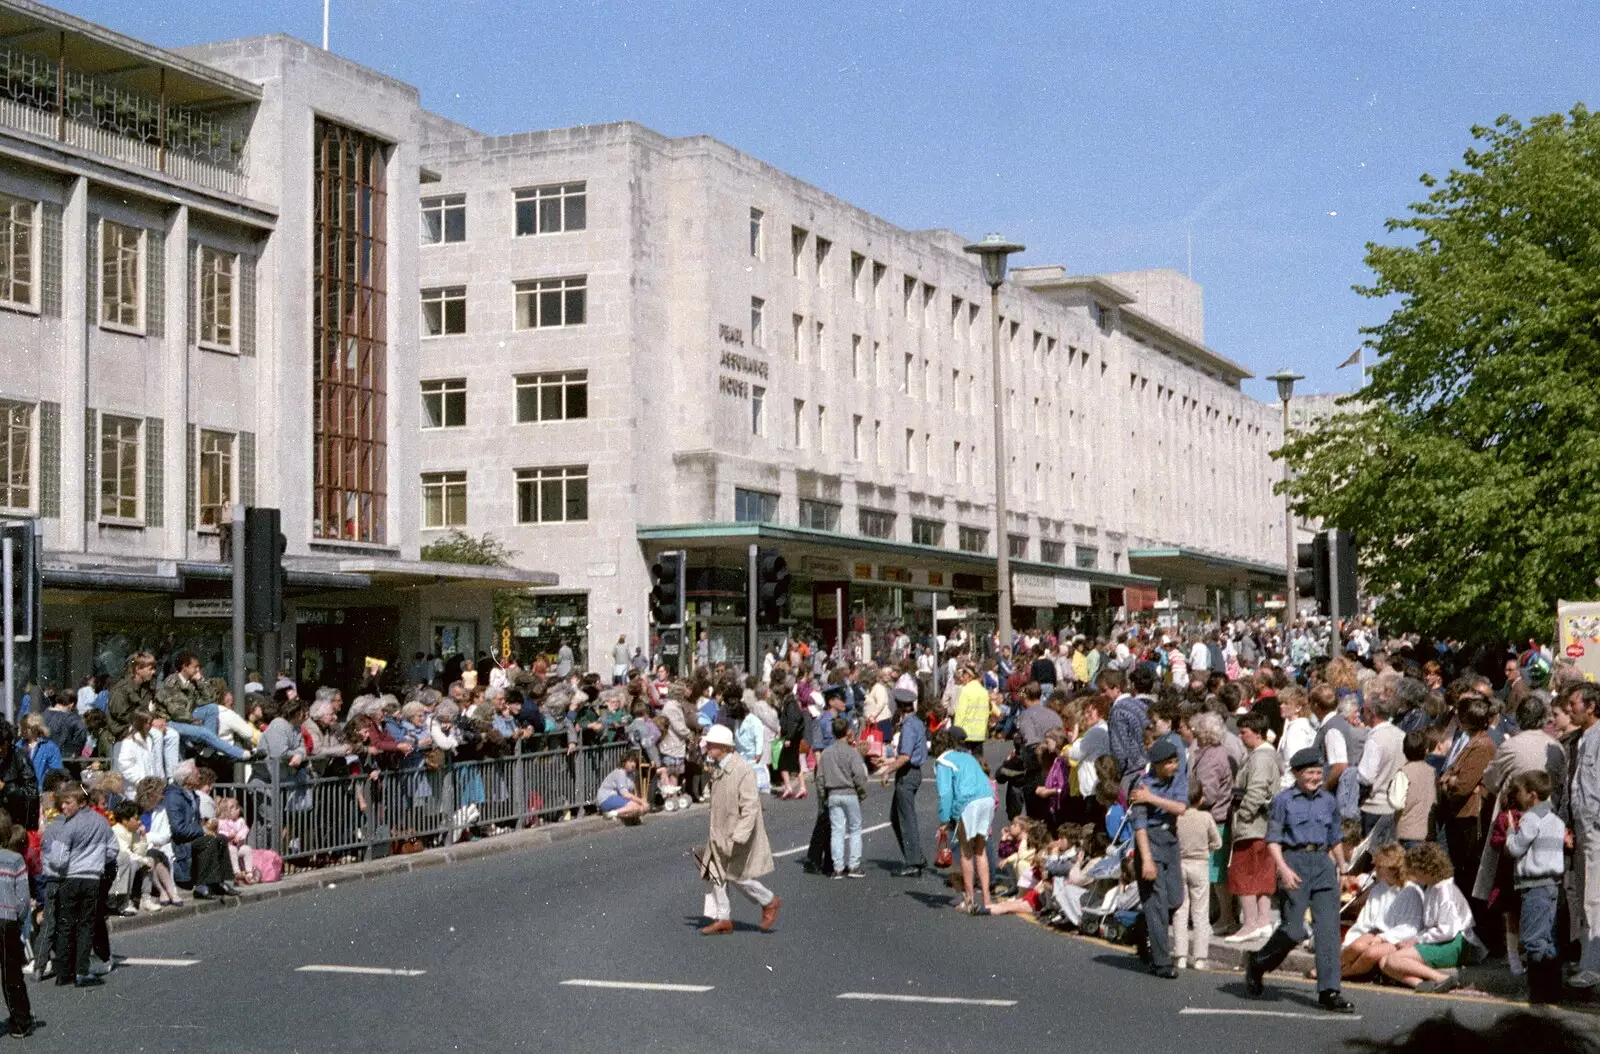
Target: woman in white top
column 1427, row 961
column 1090, row 745
column 1299, row 731
column 1391, row 916
column 143, row 751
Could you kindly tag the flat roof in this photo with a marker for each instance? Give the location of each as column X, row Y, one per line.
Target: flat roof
column 903, row 550
column 117, row 59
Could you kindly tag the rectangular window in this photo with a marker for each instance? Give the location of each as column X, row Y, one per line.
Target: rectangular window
column 1086, row 557
column 911, row 450
column 875, row 523
column 121, row 275
column 824, row 247
column 444, row 219
column 929, row 295
column 757, row 246
column 16, row 453
column 349, row 267
column 908, row 297
column 855, row 356
column 215, row 473
column 1017, row 546
column 927, row 532
column 758, row 332
column 553, row 495
column 821, row 346
column 878, row 272
column 958, row 468
column 855, row 436
column 552, row 209
column 544, row 303
column 1102, row 318
column 819, row 515
column 797, row 334
column 218, row 279
column 444, row 500
column 17, row 250
column 120, row 468
column 758, row 410
column 955, row 318
column 1052, row 552
column 877, row 442
column 754, row 506
column 797, row 247
column 552, row 396
column 972, row 539
column 444, row 311
column 858, row 266
column 877, row 363
column 905, row 373
column 444, row 403
column 955, row 390
column 799, row 424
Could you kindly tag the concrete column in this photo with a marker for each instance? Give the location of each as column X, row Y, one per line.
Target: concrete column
column 76, row 534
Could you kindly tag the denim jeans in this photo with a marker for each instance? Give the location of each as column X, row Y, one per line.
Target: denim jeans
column 1539, row 923
column 206, row 714
column 201, row 734
column 844, row 816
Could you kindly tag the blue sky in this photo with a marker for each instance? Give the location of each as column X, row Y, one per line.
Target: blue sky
column 1281, row 134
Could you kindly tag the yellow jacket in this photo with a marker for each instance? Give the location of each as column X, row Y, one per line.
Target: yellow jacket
column 972, row 710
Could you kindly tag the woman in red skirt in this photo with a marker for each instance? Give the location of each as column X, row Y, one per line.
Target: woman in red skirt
column 1251, row 875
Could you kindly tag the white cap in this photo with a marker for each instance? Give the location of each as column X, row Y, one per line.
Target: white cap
column 718, row 735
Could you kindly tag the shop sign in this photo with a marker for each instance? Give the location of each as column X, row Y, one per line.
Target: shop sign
column 1072, row 592
column 863, row 570
column 894, row 574
column 319, row 616
column 820, row 566
column 1032, row 591
column 800, row 605
column 220, row 607
column 936, row 578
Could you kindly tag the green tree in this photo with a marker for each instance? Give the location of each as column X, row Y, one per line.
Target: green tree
column 459, row 547
column 1469, row 466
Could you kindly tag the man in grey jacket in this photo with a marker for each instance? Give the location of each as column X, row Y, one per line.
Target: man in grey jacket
column 842, row 775
column 77, row 849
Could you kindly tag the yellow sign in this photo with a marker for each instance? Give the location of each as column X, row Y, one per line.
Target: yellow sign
column 505, row 639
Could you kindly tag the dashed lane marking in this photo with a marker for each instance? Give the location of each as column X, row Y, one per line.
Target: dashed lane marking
column 158, row 962
column 637, row 986
column 1201, row 1011
column 369, row 971
column 802, row 848
column 941, row 1000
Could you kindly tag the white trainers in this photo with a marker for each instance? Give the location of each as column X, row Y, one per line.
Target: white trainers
column 98, row 968
column 1198, row 964
column 1182, row 964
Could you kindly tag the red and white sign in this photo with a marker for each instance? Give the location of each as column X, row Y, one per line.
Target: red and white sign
column 1574, row 651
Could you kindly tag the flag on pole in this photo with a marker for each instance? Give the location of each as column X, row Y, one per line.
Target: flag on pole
column 1354, row 358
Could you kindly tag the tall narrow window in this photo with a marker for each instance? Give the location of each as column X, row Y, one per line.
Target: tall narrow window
column 822, row 428
column 758, row 331
column 17, row 253
column 444, row 311
column 444, row 500
column 121, row 275
column 797, row 336
column 758, row 410
column 757, row 246
column 855, row 356
column 444, row 403
column 824, row 247
column 216, row 478
column 546, row 303
column 878, row 273
column 219, row 273
column 16, row 456
column 553, row 495
column 444, row 219
column 822, row 347
column 799, row 424
column 855, row 436
column 552, row 209
column 349, row 305
column 858, row 267
column 120, row 467
column 797, row 247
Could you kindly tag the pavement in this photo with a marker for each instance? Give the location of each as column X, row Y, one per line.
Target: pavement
column 588, row 942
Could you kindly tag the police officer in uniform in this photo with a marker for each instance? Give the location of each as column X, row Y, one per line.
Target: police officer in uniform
column 1303, row 838
column 1158, row 799
column 907, row 768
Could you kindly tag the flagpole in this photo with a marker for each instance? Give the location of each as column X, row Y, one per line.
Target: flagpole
column 325, row 24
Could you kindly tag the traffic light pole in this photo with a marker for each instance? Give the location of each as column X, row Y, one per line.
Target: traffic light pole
column 752, row 615
column 684, row 666
column 237, row 545
column 1333, row 593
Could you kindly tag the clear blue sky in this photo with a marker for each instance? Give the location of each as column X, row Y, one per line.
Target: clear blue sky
column 1282, row 134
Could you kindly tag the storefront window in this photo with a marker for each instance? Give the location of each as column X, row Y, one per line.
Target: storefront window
column 547, row 622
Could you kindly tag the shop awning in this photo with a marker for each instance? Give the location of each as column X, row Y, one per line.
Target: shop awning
column 389, row 571
column 1198, row 567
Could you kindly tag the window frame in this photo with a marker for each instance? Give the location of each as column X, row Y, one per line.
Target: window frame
column 536, row 478
column 443, row 204
column 831, row 513
column 920, row 531
column 103, row 465
column 445, row 297
column 538, row 195
column 758, row 322
column 9, row 204
column 537, row 383
column 140, row 276
column 449, row 483
column 205, row 316
column 536, row 289
column 758, row 234
column 866, row 515
column 31, row 436
column 228, row 479
column 972, row 539
column 767, row 502
column 758, row 410
column 1049, row 546
column 443, row 388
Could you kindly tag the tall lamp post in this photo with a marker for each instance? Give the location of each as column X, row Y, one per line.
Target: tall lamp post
column 1285, row 378
column 992, row 253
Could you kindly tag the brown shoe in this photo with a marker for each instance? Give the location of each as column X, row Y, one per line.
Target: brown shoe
column 719, row 926
column 769, row 914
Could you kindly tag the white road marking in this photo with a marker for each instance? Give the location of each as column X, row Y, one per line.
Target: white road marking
column 943, row 1000
column 638, row 986
column 371, row 971
column 158, row 962
column 1201, row 1011
column 802, row 848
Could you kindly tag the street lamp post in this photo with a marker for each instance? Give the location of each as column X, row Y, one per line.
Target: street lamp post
column 1285, row 378
column 992, row 253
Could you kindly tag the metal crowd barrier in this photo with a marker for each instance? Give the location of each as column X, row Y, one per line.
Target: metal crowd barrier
column 321, row 819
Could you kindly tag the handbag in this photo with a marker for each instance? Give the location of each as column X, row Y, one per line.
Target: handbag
column 943, row 856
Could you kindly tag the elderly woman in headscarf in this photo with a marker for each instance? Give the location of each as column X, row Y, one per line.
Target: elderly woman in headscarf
column 321, row 728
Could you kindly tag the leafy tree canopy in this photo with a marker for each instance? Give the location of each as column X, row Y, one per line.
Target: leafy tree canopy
column 459, row 547
column 1469, row 466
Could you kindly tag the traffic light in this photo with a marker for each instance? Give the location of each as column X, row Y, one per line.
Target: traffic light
column 24, row 578
column 772, row 588
column 1311, row 570
column 1342, row 545
column 666, row 602
column 264, row 546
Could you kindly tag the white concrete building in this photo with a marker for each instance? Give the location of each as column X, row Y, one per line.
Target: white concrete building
column 200, row 305
column 633, row 343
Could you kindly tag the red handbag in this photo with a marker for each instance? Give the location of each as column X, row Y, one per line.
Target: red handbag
column 942, row 856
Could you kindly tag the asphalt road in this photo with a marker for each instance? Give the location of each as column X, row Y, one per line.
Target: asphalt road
column 480, row 953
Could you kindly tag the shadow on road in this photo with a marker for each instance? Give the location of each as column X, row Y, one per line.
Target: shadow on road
column 930, row 900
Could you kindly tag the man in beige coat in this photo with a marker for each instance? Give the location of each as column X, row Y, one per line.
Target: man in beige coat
column 737, row 852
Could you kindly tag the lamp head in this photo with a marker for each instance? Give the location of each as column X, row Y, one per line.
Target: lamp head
column 1285, row 378
column 992, row 253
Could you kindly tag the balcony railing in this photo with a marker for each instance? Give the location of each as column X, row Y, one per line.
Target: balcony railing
column 199, row 147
